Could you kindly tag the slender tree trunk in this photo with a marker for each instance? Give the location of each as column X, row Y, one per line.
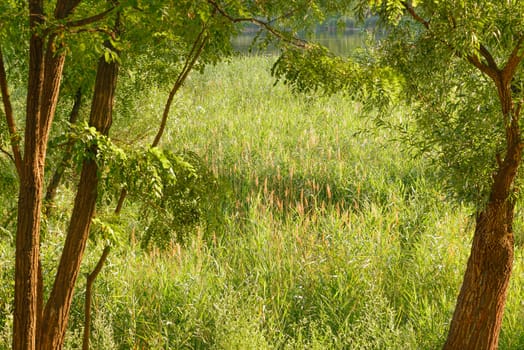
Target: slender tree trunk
column 28, row 228
column 8, row 109
column 66, row 158
column 87, row 305
column 56, row 312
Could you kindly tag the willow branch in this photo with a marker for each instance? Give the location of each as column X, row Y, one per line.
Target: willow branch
column 415, row 15
column 266, row 25
column 513, row 61
column 8, row 109
column 490, row 68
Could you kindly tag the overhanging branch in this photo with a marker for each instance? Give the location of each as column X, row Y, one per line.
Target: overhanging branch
column 80, row 23
column 266, row 25
column 490, row 68
column 415, row 15
column 88, row 20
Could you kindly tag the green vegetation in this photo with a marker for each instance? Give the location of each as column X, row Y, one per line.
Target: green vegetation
column 323, row 236
column 448, row 73
column 457, row 65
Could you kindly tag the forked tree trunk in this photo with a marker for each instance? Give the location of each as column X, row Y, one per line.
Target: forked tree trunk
column 45, row 74
column 29, row 198
column 57, row 308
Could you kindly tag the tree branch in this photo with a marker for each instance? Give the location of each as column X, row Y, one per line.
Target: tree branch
column 513, row 61
column 489, row 58
column 8, row 109
column 64, row 8
column 93, row 30
column 489, row 71
column 196, row 50
column 81, row 22
column 415, row 15
column 266, row 25
column 192, row 57
column 7, row 154
column 60, row 169
column 87, row 303
column 89, row 20
column 490, row 68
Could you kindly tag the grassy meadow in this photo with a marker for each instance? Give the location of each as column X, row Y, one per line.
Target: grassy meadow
column 325, row 236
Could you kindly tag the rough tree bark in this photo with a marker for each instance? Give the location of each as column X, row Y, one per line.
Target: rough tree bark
column 480, row 306
column 56, row 312
column 34, row 326
column 45, row 74
column 30, row 193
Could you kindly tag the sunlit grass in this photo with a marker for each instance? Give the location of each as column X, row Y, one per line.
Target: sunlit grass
column 333, row 238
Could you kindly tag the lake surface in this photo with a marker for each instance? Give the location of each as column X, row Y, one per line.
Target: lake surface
column 340, row 44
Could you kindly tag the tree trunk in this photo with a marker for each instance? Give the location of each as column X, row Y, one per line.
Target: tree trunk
column 480, row 306
column 29, row 199
column 56, row 312
column 10, row 118
column 66, row 158
column 479, row 311
column 45, row 74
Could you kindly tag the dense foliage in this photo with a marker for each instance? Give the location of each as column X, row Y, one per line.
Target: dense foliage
column 456, row 116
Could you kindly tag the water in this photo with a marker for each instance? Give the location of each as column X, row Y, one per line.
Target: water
column 340, row 44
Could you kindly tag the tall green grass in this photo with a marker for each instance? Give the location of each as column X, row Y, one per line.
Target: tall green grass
column 330, row 237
